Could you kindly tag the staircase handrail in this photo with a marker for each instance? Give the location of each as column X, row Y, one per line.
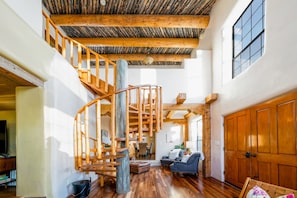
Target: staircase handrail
column 154, row 93
column 148, row 99
column 59, row 41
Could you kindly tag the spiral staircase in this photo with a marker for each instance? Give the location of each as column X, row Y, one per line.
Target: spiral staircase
column 143, row 107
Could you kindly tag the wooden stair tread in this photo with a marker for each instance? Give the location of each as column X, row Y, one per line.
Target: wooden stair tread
column 123, row 139
column 108, row 174
column 113, row 156
column 144, row 122
column 105, row 157
column 99, row 167
column 117, row 150
column 133, row 107
column 99, row 90
column 137, row 112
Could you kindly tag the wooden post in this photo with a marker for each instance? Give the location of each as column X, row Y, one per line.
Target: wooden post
column 123, row 170
column 206, row 147
column 121, row 83
column 206, row 134
column 123, row 174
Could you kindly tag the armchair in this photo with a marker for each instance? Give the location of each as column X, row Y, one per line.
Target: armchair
column 142, row 149
column 190, row 166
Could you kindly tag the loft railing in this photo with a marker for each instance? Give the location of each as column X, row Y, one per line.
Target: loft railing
column 74, row 52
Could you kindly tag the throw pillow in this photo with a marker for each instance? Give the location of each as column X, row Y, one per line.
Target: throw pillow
column 173, row 154
column 287, row 196
column 185, row 158
column 257, row 192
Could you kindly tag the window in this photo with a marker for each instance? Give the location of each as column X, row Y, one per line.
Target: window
column 248, row 37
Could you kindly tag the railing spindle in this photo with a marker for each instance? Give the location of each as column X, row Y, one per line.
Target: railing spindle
column 127, row 118
column 106, row 75
column 139, row 116
column 87, row 143
column 98, row 129
column 79, row 141
column 151, row 111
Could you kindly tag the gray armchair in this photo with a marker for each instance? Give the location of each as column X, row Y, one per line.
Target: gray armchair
column 191, row 166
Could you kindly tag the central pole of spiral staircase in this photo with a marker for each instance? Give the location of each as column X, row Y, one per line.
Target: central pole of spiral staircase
column 123, row 171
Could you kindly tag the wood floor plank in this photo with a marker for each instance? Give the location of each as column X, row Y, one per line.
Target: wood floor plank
column 160, row 183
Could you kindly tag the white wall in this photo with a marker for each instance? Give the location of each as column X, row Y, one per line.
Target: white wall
column 194, row 79
column 64, row 96
column 271, row 75
column 19, row 42
column 44, row 115
column 30, row 142
column 29, row 11
column 167, row 138
column 45, row 120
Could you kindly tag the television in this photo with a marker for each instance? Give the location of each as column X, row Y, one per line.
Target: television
column 3, row 137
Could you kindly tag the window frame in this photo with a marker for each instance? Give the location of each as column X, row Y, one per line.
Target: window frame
column 239, row 63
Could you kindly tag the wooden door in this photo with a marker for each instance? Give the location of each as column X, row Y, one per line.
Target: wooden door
column 274, row 142
column 237, row 147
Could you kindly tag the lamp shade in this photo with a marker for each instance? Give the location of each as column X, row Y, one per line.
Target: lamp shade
column 148, row 60
column 103, row 2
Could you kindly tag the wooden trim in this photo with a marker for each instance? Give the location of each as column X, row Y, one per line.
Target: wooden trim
column 155, row 21
column 141, row 42
column 211, row 98
column 193, row 107
column 181, row 98
column 19, row 74
column 140, row 57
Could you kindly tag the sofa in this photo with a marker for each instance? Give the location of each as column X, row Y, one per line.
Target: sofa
column 174, row 155
column 189, row 165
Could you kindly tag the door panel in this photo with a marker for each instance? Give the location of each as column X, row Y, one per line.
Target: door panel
column 237, row 134
column 267, row 131
column 287, row 176
column 230, row 134
column 242, row 133
column 286, row 127
column 274, row 142
column 264, row 169
column 264, row 128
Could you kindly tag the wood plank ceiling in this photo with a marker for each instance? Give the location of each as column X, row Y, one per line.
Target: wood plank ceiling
column 167, row 30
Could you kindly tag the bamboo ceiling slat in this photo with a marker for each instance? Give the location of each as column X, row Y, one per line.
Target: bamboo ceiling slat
column 139, row 7
column 173, row 7
column 136, row 32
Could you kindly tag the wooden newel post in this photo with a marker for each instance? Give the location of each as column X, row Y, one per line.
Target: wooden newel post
column 121, row 83
column 123, row 170
column 123, row 174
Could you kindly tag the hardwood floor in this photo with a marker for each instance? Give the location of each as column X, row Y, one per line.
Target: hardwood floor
column 160, row 183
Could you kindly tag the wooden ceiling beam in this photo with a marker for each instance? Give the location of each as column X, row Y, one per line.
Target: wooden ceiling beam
column 169, row 114
column 155, row 21
column 211, row 98
column 141, row 42
column 193, row 107
column 181, row 98
column 140, row 57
